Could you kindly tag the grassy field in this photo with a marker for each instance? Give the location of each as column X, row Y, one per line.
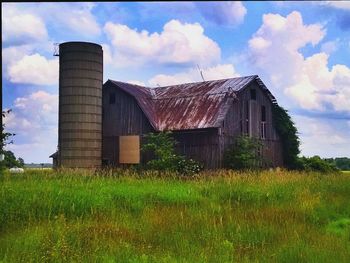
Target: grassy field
column 222, row 217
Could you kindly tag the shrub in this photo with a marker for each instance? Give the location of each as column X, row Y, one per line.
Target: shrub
column 162, row 145
column 315, row 163
column 244, row 154
column 188, row 167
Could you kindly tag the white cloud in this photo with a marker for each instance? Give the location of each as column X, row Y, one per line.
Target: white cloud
column 178, row 43
column 12, row 54
column 329, row 47
column 21, row 27
column 39, row 101
column 278, row 40
column 26, row 23
column 223, row 13
column 337, row 4
column 107, row 54
column 34, row 69
column 192, row 75
column 76, row 17
column 320, row 137
column 136, row 82
column 34, row 120
column 309, row 82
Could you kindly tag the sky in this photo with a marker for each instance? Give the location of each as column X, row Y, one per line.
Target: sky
column 301, row 51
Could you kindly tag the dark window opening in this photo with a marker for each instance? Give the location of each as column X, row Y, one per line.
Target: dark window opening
column 263, row 123
column 111, row 98
column 253, row 94
column 247, row 117
column 263, row 113
column 240, row 119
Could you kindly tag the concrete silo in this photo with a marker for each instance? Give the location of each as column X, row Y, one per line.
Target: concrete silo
column 80, row 105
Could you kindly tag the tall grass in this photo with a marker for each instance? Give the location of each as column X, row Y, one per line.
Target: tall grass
column 222, row 216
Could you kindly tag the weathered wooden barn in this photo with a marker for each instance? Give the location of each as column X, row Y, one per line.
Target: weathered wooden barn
column 204, row 117
column 106, row 123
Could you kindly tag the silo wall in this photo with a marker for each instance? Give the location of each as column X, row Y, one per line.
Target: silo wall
column 80, row 105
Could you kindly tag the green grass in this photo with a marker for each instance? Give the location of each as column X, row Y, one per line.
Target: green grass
column 222, row 216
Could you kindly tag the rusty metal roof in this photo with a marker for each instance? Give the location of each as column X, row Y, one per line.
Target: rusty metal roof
column 188, row 106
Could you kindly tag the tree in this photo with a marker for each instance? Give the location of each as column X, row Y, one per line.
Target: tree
column 288, row 134
column 4, row 138
column 244, row 154
column 20, row 162
column 10, row 159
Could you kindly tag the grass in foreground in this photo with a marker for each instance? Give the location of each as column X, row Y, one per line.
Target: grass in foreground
column 221, row 217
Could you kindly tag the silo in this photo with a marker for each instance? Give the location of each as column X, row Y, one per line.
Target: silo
column 80, row 105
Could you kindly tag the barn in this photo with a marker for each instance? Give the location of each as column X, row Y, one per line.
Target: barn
column 105, row 124
column 204, row 117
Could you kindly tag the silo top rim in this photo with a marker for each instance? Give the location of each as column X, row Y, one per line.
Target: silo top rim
column 80, row 43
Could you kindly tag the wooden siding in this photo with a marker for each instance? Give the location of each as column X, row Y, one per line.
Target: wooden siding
column 123, row 117
column 235, row 124
column 201, row 145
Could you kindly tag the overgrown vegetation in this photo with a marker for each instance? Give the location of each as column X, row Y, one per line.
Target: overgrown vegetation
column 315, row 163
column 222, row 216
column 5, row 139
column 342, row 163
column 288, row 134
column 162, row 147
column 244, row 154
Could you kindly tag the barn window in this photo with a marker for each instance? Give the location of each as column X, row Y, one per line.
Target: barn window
column 253, row 94
column 240, row 119
column 129, row 149
column 263, row 123
column 263, row 113
column 247, row 117
column 111, row 98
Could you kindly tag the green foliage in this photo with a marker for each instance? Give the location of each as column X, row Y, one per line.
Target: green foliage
column 188, row 167
column 342, row 163
column 162, row 146
column 4, row 139
column 315, row 163
column 20, row 162
column 221, row 216
column 288, row 134
column 5, row 136
column 244, row 154
column 339, row 227
column 11, row 161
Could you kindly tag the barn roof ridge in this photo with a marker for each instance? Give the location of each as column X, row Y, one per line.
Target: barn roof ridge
column 199, row 82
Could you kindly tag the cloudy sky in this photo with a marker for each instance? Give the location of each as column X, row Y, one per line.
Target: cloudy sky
column 301, row 50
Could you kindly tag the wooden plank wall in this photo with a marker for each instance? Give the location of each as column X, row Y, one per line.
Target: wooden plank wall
column 235, row 124
column 200, row 145
column 124, row 117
